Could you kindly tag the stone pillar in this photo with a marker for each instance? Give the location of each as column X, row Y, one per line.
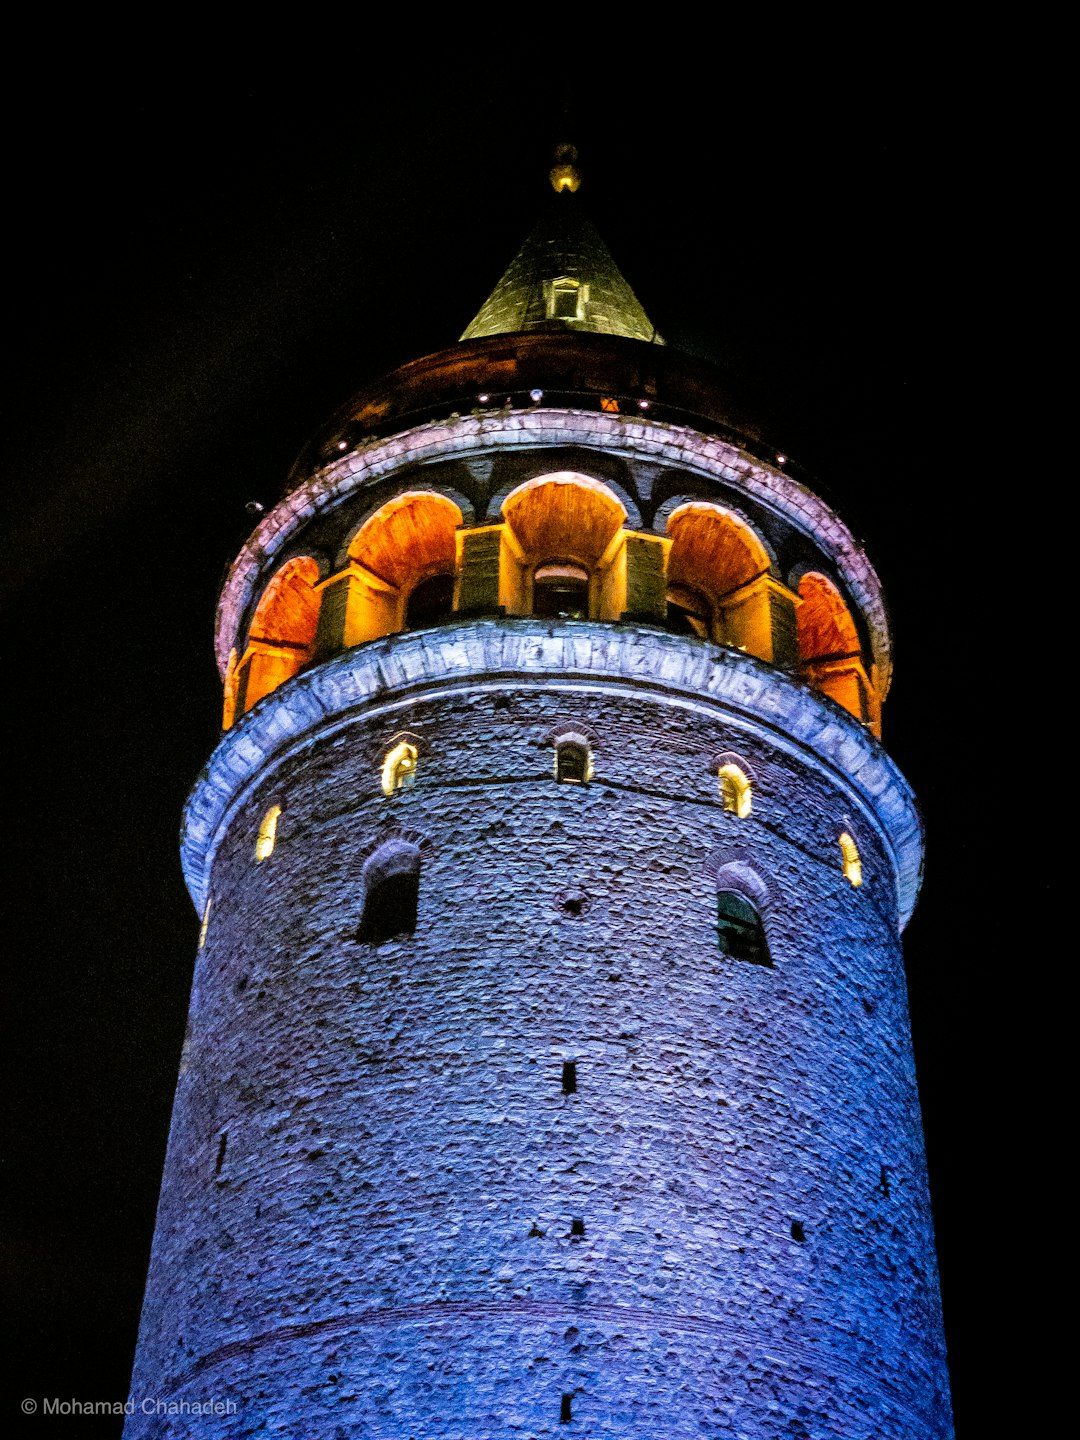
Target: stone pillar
column 357, row 605
column 760, row 618
column 646, row 578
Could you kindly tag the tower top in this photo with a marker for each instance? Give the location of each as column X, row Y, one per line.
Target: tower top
column 563, row 277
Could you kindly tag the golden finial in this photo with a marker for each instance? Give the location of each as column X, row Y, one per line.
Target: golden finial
column 564, row 174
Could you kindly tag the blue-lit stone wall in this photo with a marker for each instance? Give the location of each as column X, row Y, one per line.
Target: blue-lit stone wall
column 382, row 1246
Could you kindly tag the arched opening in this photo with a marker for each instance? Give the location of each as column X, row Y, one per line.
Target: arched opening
column 281, row 639
column 402, row 566
column 689, row 612
column 829, row 649
column 561, row 591
column 399, row 768
column 739, row 930
column 391, row 892
column 565, row 531
column 714, row 562
column 852, row 864
column 573, row 762
column 430, row 602
column 735, row 790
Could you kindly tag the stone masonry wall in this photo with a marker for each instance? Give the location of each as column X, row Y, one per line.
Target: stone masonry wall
column 373, row 1172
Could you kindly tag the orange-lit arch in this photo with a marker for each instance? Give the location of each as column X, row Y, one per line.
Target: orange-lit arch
column 712, row 550
column 282, row 634
column 826, row 628
column 410, row 537
column 564, row 516
column 830, row 651
column 716, row 555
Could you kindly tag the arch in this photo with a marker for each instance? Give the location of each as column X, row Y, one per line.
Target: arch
column 267, row 836
column 852, row 864
column 830, row 652
column 735, row 789
column 391, row 876
column 429, row 601
column 281, row 637
column 408, row 538
column 563, row 527
column 398, row 767
column 689, row 612
column 740, row 932
column 826, row 629
column 716, row 555
column 573, row 758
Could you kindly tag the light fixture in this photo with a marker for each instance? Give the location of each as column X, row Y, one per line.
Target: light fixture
column 342, row 445
column 643, row 404
column 781, row 459
column 536, row 396
column 482, row 399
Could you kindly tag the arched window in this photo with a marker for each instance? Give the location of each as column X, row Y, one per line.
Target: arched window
column 429, row 602
column 282, row 635
column 735, row 790
column 573, row 759
column 267, row 836
column 391, row 892
column 852, row 864
column 561, row 591
column 688, row 612
column 399, row 767
column 739, row 930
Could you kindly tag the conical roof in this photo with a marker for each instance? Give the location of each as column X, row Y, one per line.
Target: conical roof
column 563, row 278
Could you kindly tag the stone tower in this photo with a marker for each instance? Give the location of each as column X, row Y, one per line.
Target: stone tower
column 548, row 1068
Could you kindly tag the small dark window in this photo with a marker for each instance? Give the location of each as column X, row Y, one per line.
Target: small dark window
column 739, row 929
column 392, row 881
column 223, row 1140
column 561, row 592
column 687, row 612
column 569, row 1077
column 577, row 1227
column 797, row 1231
column 565, row 1415
column 431, row 601
column 572, row 763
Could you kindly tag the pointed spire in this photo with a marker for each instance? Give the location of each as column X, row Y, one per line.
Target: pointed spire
column 563, row 277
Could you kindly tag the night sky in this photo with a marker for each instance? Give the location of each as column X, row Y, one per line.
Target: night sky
column 206, row 266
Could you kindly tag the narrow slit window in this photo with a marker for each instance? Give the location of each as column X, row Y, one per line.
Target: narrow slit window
column 573, row 763
column 391, row 893
column 399, row 768
column 219, row 1159
column 739, row 930
column 565, row 1410
column 267, row 837
column 852, row 863
column 735, row 790
column 205, row 926
column 569, row 1077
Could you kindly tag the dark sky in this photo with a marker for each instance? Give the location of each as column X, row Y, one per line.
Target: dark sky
column 205, row 266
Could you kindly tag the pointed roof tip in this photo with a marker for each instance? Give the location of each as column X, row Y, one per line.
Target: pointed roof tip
column 563, row 277
column 564, row 174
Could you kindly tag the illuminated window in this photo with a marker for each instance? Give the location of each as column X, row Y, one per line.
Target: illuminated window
column 735, row 790
column 391, row 892
column 566, row 299
column 852, row 864
column 399, row 768
column 739, row 929
column 561, row 592
column 264, row 844
column 573, row 762
column 204, row 926
column 429, row 602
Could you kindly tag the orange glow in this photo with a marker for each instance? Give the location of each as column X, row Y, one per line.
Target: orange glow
column 410, row 537
column 205, row 926
column 716, row 556
column 282, row 635
column 228, row 713
column 568, row 519
column 830, row 652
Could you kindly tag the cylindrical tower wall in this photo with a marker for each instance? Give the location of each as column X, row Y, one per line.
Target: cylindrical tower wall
column 374, row 1173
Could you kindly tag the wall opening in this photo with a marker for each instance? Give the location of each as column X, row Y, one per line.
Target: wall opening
column 577, row 1229
column 688, row 612
column 569, row 1077
column 739, row 929
column 852, row 864
column 735, row 790
column 399, row 768
column 267, row 836
column 566, row 1410
column 223, row 1140
column 430, row 602
column 282, row 635
column 561, row 591
column 205, row 926
column 391, row 893
column 797, row 1231
column 573, row 762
